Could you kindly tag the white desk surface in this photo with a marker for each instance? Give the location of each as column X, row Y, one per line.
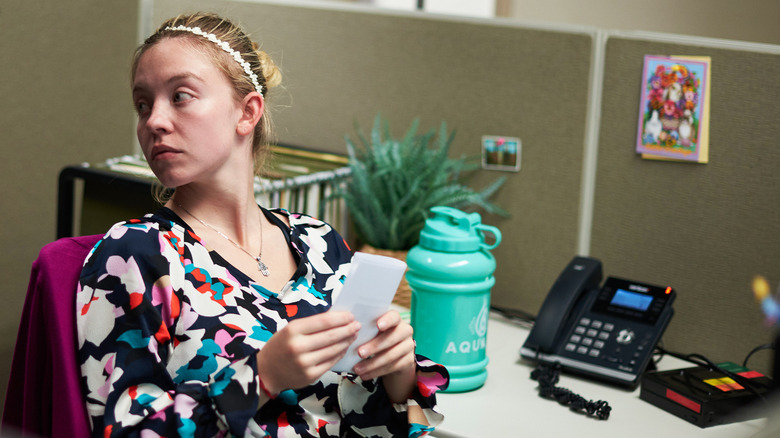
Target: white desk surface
column 508, row 405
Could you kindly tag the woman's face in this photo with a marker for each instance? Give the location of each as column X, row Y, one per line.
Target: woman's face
column 187, row 115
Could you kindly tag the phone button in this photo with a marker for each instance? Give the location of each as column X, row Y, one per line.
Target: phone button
column 625, row 336
column 570, row 347
column 582, row 350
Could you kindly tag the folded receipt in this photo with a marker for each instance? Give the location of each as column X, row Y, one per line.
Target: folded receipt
column 367, row 293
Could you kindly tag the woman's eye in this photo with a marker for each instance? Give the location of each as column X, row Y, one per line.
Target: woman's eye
column 141, row 107
column 181, row 96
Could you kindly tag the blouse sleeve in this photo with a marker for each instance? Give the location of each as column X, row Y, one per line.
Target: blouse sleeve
column 127, row 308
column 431, row 377
column 367, row 409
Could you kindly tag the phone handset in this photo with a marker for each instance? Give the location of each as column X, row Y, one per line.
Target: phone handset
column 581, row 275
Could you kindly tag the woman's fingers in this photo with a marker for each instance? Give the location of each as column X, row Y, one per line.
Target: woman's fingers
column 330, row 352
column 302, row 351
column 311, row 337
column 320, row 322
column 392, row 330
column 388, row 320
column 398, row 357
column 390, row 351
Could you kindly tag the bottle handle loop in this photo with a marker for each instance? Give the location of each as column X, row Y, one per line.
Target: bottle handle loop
column 482, row 228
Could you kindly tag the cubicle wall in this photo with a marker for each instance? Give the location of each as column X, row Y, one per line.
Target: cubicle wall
column 705, row 229
column 342, row 66
column 65, row 99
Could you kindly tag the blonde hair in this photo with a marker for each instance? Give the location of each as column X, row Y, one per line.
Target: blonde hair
column 268, row 74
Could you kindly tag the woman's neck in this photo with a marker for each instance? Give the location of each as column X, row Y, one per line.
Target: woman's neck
column 233, row 211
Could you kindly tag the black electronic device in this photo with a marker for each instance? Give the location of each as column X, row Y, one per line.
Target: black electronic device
column 607, row 332
column 705, row 396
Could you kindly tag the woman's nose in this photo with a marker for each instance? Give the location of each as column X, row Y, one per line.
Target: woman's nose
column 159, row 119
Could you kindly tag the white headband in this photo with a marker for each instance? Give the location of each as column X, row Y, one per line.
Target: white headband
column 226, row 47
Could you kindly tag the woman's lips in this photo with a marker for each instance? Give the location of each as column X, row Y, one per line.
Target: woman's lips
column 162, row 152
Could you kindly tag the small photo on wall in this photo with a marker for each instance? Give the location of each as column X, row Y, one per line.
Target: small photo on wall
column 501, row 153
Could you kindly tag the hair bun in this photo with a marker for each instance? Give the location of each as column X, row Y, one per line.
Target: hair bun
column 272, row 74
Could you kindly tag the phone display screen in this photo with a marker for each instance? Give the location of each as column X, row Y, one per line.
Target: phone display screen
column 631, row 300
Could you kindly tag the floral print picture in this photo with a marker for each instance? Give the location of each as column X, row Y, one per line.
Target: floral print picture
column 674, row 108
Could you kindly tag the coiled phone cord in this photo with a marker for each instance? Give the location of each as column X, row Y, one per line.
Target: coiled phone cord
column 547, row 375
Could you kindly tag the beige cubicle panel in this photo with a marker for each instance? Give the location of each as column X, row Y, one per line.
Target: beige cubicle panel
column 343, row 65
column 705, row 229
column 65, row 89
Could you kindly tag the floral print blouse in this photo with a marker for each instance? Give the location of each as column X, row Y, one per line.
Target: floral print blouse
column 168, row 334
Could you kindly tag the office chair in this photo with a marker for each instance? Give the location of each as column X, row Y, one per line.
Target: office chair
column 44, row 397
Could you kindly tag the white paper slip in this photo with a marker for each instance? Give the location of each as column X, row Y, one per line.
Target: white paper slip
column 367, row 292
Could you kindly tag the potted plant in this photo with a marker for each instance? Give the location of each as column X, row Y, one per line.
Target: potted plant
column 395, row 182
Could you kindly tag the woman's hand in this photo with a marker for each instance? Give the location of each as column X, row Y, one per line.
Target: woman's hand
column 305, row 349
column 390, row 355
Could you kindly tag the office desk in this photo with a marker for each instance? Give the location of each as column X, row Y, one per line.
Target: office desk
column 508, row 405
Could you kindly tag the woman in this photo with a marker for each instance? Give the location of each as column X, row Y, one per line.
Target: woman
column 210, row 316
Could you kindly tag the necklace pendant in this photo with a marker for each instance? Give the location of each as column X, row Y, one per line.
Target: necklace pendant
column 262, row 267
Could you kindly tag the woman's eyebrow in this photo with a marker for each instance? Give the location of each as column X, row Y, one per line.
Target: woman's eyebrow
column 175, row 78
column 183, row 76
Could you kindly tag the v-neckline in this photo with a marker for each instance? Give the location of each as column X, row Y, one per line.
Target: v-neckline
column 240, row 275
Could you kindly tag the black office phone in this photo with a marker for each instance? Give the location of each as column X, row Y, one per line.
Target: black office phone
column 607, row 332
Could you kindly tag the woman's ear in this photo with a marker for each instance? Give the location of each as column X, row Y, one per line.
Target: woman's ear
column 252, row 107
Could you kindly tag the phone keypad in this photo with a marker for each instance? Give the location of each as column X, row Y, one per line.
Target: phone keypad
column 589, row 337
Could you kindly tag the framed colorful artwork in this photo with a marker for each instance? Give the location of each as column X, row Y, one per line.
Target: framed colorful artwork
column 674, row 108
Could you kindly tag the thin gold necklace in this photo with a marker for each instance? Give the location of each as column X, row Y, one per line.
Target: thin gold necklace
column 262, row 267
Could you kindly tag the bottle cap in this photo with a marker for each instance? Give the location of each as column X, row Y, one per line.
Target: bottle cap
column 452, row 230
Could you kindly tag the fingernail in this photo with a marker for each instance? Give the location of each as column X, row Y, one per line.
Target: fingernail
column 363, row 353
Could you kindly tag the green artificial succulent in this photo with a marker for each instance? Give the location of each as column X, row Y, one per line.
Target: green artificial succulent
column 395, row 182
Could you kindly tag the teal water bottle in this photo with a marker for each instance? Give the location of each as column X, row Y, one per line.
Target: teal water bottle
column 450, row 272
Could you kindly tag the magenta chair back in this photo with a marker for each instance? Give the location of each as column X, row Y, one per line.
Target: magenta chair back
column 44, row 396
